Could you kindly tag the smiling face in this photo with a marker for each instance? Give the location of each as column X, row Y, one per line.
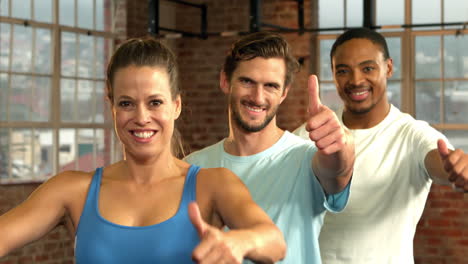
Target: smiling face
column 255, row 90
column 144, row 111
column 360, row 74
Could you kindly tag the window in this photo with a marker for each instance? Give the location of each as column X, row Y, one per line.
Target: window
column 53, row 113
column 430, row 79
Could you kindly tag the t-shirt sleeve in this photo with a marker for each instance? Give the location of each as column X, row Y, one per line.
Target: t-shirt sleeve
column 425, row 139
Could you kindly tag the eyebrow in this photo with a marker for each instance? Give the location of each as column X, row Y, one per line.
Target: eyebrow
column 131, row 98
column 243, row 78
column 360, row 64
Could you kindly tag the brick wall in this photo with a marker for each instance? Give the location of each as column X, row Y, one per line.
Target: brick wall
column 442, row 235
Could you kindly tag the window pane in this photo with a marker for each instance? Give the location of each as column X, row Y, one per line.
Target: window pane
column 425, row 11
column 86, row 101
column 4, row 8
column 325, row 64
column 4, row 46
column 22, row 53
column 394, row 48
column 101, row 57
column 3, row 96
column 456, row 102
column 100, row 15
column 21, row 153
column 45, row 155
column 43, row 10
column 456, row 56
column 86, row 56
column 4, row 152
column 394, row 93
column 329, row 96
column 21, row 9
column 331, row 13
column 428, row 101
column 390, row 12
column 455, row 11
column 68, row 54
column 427, row 57
column 67, row 101
column 67, row 151
column 20, row 98
column 41, row 102
column 86, row 150
column 458, row 138
column 85, row 14
column 101, row 105
column 354, row 17
column 67, row 12
column 43, row 51
column 103, row 139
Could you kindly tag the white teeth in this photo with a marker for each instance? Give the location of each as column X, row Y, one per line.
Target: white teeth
column 146, row 134
column 360, row 93
column 254, row 109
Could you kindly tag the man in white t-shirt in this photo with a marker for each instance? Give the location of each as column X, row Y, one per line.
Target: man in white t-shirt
column 397, row 158
column 288, row 177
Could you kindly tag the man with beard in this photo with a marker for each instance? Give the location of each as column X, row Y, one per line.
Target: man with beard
column 397, row 158
column 288, row 177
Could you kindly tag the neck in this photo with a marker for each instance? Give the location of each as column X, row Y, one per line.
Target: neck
column 370, row 119
column 242, row 143
column 146, row 171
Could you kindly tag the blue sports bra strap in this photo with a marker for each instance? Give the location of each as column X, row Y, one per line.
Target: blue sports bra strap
column 95, row 185
column 190, row 188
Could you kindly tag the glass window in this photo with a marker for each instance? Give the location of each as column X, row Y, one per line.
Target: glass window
column 428, row 101
column 67, row 12
column 456, row 102
column 390, row 12
column 43, row 10
column 21, row 9
column 455, row 11
column 426, row 11
column 455, row 56
column 331, row 13
column 329, row 96
column 427, row 55
column 354, row 9
column 325, row 63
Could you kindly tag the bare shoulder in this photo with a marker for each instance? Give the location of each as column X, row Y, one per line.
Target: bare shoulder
column 67, row 184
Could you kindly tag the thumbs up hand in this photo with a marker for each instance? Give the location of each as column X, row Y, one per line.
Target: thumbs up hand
column 455, row 164
column 323, row 125
column 215, row 246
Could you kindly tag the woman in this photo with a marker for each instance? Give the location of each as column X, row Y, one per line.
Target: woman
column 139, row 210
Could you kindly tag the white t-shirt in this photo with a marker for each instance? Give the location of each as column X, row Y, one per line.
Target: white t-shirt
column 281, row 181
column 389, row 190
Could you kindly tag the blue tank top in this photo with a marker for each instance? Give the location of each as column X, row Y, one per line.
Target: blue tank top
column 100, row 241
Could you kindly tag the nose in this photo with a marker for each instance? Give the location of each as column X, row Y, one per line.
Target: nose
column 142, row 116
column 258, row 95
column 357, row 78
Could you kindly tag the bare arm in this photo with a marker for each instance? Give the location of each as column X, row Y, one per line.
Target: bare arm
column 447, row 166
column 334, row 161
column 33, row 218
column 253, row 235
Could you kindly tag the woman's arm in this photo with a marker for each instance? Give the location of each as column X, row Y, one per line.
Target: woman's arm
column 36, row 216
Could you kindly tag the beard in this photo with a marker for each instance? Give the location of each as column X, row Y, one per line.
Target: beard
column 251, row 128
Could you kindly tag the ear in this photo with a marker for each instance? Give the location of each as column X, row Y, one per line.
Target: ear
column 285, row 93
column 389, row 67
column 224, row 82
column 178, row 106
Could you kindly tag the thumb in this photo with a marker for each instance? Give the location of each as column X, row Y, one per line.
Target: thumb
column 196, row 219
column 443, row 150
column 314, row 98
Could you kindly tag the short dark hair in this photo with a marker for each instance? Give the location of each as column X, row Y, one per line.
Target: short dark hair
column 362, row 33
column 261, row 44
